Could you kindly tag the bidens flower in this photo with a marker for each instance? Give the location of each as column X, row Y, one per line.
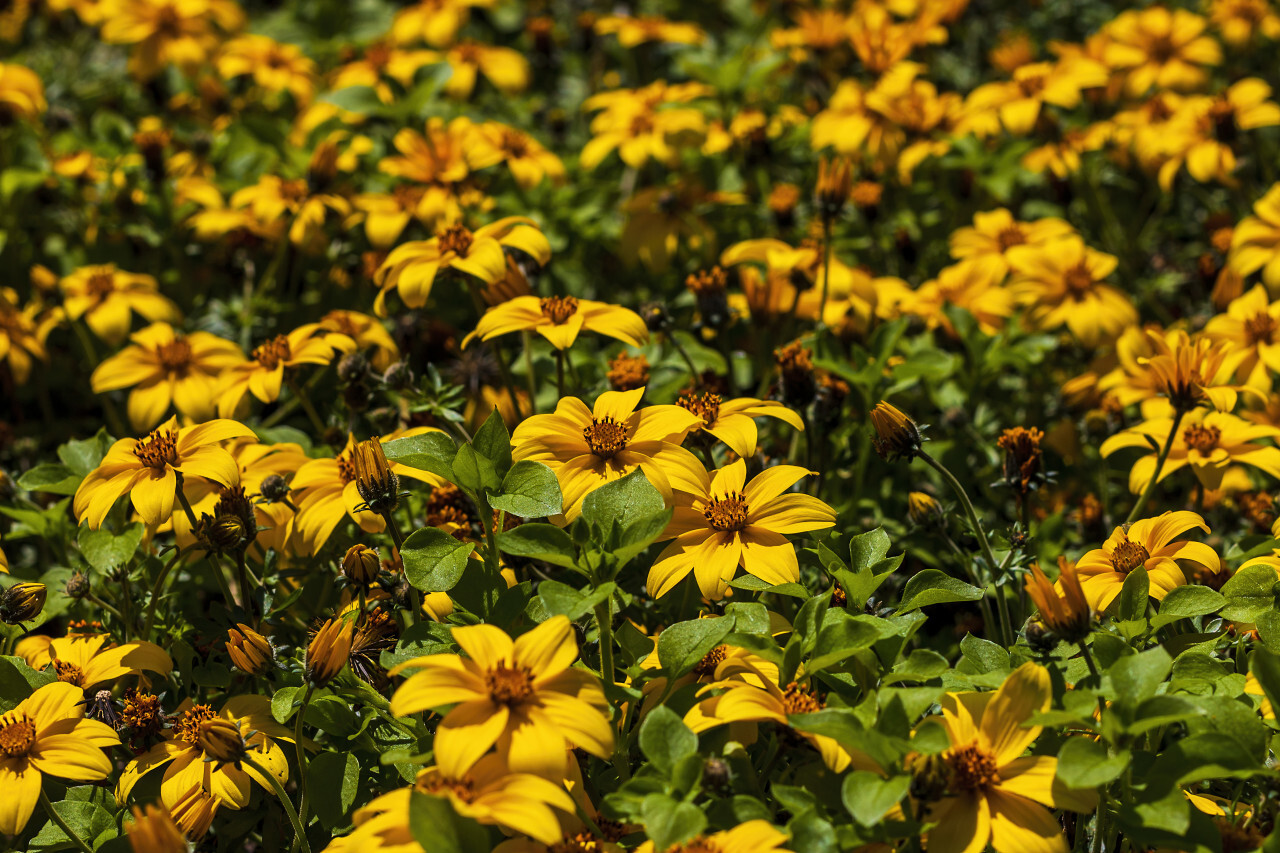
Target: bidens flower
column 107, row 297
column 1208, row 442
column 559, row 319
column 1149, row 543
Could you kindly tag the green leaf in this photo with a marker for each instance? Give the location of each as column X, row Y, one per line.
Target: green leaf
column 638, row 534
column 333, row 779
column 668, row 822
column 493, row 442
column 1132, row 601
column 922, row 665
column 840, row 636
column 1249, row 593
column 52, row 478
column 434, row 560
column 18, row 681
column 1085, row 763
column 356, row 99
column 85, row 455
column 530, row 490
column 1265, row 666
column 283, row 702
column 982, row 656
column 867, row 549
column 621, row 501
column 474, row 472
column 868, row 796
column 106, row 551
column 90, row 821
column 755, row 584
column 683, row 645
column 931, row 586
column 1137, row 677
column 561, row 598
column 430, row 451
column 544, row 542
column 1187, row 602
column 665, row 739
column 437, row 827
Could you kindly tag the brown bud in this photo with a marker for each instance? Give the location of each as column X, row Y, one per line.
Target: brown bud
column 250, row 652
column 221, row 740
column 360, row 565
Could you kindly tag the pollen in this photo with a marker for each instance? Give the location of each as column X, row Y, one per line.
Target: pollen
column 174, row 356
column 712, row 659
column 101, row 283
column 705, row 406
column 69, row 672
column 1128, row 556
column 606, row 437
column 17, row 735
column 728, row 513
column 800, row 700
column 972, row 767
column 437, row 783
column 275, row 351
column 1010, row 237
column 1078, row 279
column 158, row 450
column 456, row 239
column 187, row 727
column 509, row 685
column 1202, row 438
column 1260, row 328
column 558, row 309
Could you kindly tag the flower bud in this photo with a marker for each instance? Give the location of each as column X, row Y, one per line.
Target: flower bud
column 353, row 367
column 797, row 385
column 250, row 652
column 274, row 488
column 360, row 565
column 835, row 182
column 221, row 740
column 329, row 651
column 896, row 434
column 154, row 831
column 399, row 376
column 78, row 585
column 22, row 602
column 655, row 316
column 221, row 534
column 715, row 774
column 377, row 484
column 924, row 510
column 1023, row 466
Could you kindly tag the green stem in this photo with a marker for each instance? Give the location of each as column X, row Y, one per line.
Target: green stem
column 530, row 379
column 301, row 395
column 826, row 270
column 242, row 578
column 299, row 835
column 62, row 824
column 415, row 597
column 302, row 762
column 1155, row 475
column 693, row 371
column 156, row 589
column 98, row 602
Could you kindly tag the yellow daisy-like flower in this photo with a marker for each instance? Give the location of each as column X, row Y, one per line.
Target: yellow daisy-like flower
column 169, row 32
column 727, row 523
column 89, row 660
column 632, row 30
column 1208, row 442
column 587, row 448
column 1250, row 324
column 263, row 374
column 21, row 92
column 505, row 68
column 1255, row 243
column 1192, row 371
column 996, row 795
column 995, row 232
column 436, row 22
column 273, row 65
column 754, row 836
column 1149, row 542
column 1241, row 21
column 733, row 421
column 966, row 285
column 411, row 269
column 188, row 766
column 368, row 334
column 22, row 337
column 167, row 369
column 105, row 297
column 559, row 319
column 46, row 733
column 528, row 160
column 1062, row 284
column 522, row 695
column 1159, row 47
column 276, row 202
column 147, row 469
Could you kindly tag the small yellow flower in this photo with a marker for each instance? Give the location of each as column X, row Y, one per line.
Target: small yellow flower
column 105, row 297
column 1149, row 543
column 154, row 831
column 1255, row 243
column 559, row 319
column 1063, row 607
column 273, row 65
column 1062, row 283
column 329, row 649
column 753, row 836
column 1209, row 442
column 1162, row 48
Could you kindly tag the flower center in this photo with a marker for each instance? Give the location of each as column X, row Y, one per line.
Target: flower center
column 1201, row 438
column 1010, row 237
column 346, row 468
column 174, row 356
column 273, row 352
column 605, row 437
column 705, row 406
column 515, row 143
column 293, row 192
column 1078, row 279
column 582, row 842
column 800, row 700
column 455, row 238
column 972, row 767
column 641, row 124
column 142, row 713
column 101, row 284
column 17, row 734
column 508, row 685
column 188, row 726
column 436, row 782
column 697, row 845
column 408, row 197
column 558, row 309
column 727, row 513
column 1259, row 328
column 1128, row 556
column 69, row 672
column 159, row 449
column 1032, row 85
column 712, row 659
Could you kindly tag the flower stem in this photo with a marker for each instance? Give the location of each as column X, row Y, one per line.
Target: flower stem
column 299, row 835
column 693, row 371
column 826, row 270
column 530, row 380
column 156, row 589
column 302, row 761
column 415, row 597
column 1155, row 474
column 62, row 824
column 301, row 396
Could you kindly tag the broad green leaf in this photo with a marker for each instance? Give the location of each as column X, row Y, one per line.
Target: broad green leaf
column 493, row 442
column 868, row 796
column 562, row 599
column 682, row 646
column 621, row 501
column 438, row 828
column 85, row 455
column 669, row 822
column 1249, row 593
column 1187, row 602
column 544, row 542
column 18, row 681
column 430, row 451
column 106, row 551
column 665, row 739
column 931, row 586
column 52, row 478
column 529, row 490
column 1085, row 763
column 333, row 780
column 1131, row 604
column 434, row 560
column 867, row 549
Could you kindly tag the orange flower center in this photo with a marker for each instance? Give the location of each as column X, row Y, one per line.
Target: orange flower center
column 69, row 672
column 582, row 842
column 642, row 125
column 408, row 197
column 17, row 734
column 1201, row 438
column 800, row 700
column 697, row 845
column 437, row 783
column 1162, row 49
column 558, row 309
column 158, row 450
column 293, row 192
column 712, row 659
column 142, row 713
column 1128, row 556
column 727, row 513
column 515, row 143
column 705, row 406
column 1078, row 279
column 508, row 685
column 468, row 52
column 1010, row 237
column 456, row 239
column 346, row 468
column 168, row 23
column 605, row 437
column 972, row 767
column 187, row 728
column 174, row 356
column 1032, row 86
column 1259, row 328
column 273, row 352
column 101, row 284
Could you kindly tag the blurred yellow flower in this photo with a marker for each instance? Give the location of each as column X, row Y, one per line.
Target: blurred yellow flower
column 1062, row 284
column 263, row 373
column 169, row 32
column 275, row 66
column 1162, row 48
column 106, row 297
column 21, row 92
column 1255, row 244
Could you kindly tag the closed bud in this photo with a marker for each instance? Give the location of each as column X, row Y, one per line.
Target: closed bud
column 925, row 511
column 78, row 585
column 22, row 602
column 221, row 740
column 274, row 488
column 399, row 376
column 353, row 367
column 897, row 436
column 360, row 565
column 835, row 182
column 154, row 831
column 250, row 652
column 329, row 650
column 655, row 316
column 715, row 774
column 221, row 534
column 377, row 484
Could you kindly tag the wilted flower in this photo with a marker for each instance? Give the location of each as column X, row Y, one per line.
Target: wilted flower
column 1023, row 459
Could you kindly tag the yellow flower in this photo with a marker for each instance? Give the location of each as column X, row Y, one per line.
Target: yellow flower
column 644, row 124
column 22, row 602
column 505, row 68
column 89, row 660
column 250, row 652
column 273, row 65
column 728, row 522
column 21, row 92
column 154, row 831
column 382, row 61
column 189, row 765
column 633, row 30
column 46, row 733
column 1241, row 21
column 328, row 651
column 662, row 219
column 1061, row 283
column 411, row 269
column 367, row 333
column 1207, row 441
column 587, row 448
column 1250, row 325
column 1192, row 372
column 274, row 202
column 1159, row 47
column 263, row 374
column 22, row 337
column 1062, row 157
column 147, row 470
column 104, row 296
column 968, row 285
column 996, row 795
column 524, row 696
column 1149, row 543
column 753, row 836
column 559, row 319
column 527, row 159
column 169, row 32
column 733, row 421
column 1016, row 104
column 436, row 22
column 1064, row 610
column 165, row 368
column 1255, row 244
